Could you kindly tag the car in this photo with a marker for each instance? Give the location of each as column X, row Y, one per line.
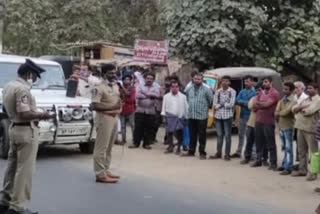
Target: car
column 213, row 77
column 74, row 122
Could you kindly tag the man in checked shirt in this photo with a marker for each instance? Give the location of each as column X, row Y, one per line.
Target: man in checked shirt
column 224, row 102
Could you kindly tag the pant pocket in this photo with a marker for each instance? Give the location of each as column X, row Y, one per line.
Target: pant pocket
column 23, row 134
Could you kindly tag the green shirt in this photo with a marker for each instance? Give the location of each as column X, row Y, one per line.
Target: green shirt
column 284, row 112
column 199, row 101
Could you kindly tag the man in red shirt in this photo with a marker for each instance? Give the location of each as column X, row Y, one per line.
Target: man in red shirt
column 129, row 107
column 265, row 123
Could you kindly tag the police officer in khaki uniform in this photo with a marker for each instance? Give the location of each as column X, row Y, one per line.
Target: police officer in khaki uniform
column 21, row 109
column 106, row 102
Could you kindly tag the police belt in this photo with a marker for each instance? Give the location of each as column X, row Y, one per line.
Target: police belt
column 36, row 123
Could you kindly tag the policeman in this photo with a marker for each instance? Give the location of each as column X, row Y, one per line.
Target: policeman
column 23, row 132
column 106, row 102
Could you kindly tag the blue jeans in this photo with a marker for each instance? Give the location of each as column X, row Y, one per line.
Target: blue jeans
column 224, row 131
column 286, row 137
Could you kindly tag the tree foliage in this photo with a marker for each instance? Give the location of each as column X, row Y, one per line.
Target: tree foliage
column 35, row 27
column 244, row 33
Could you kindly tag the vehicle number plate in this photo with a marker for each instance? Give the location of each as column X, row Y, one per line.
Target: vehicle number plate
column 80, row 131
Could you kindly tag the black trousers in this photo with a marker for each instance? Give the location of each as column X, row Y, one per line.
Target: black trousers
column 156, row 125
column 250, row 142
column 266, row 143
column 179, row 135
column 143, row 128
column 198, row 130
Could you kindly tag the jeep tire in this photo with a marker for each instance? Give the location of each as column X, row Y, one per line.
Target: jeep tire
column 86, row 148
column 4, row 138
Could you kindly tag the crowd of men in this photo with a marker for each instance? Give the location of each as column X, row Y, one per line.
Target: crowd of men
column 262, row 110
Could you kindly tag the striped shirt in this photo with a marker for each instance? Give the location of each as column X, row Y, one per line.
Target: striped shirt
column 199, row 101
column 224, row 102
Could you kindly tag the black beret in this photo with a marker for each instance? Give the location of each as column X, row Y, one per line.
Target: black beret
column 29, row 65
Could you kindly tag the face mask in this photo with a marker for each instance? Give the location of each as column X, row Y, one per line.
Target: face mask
column 175, row 91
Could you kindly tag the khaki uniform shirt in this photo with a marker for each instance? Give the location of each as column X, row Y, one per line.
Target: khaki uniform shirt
column 108, row 94
column 284, row 111
column 307, row 120
column 252, row 119
column 17, row 98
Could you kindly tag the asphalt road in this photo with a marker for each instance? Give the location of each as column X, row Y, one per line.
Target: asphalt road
column 62, row 185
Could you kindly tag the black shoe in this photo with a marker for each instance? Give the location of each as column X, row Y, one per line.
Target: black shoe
column 285, row 172
column 235, row 155
column 10, row 211
column 295, row 167
column 280, row 169
column 245, row 161
column 265, row 163
column 203, row 157
column 3, row 209
column 256, row 164
column 216, row 156
column 273, row 167
column 185, row 148
column 227, row 157
column 134, row 146
column 147, row 147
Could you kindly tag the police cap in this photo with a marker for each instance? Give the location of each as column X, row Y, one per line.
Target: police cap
column 29, row 65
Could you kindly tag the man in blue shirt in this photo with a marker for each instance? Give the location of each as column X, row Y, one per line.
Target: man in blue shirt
column 242, row 100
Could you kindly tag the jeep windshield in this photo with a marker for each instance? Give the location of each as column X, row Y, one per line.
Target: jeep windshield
column 52, row 78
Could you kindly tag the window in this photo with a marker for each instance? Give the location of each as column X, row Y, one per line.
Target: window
column 52, row 78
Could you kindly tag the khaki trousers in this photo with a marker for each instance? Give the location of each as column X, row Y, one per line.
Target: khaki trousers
column 17, row 183
column 306, row 141
column 107, row 127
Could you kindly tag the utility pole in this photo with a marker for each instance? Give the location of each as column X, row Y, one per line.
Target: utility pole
column 3, row 6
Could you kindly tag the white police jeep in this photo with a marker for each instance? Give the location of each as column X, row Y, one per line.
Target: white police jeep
column 74, row 121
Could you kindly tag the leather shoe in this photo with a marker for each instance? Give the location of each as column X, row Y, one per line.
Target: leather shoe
column 256, row 164
column 216, row 156
column 147, row 147
column 111, row 175
column 285, row 172
column 10, row 211
column 245, row 161
column 235, row 155
column 280, row 169
column 227, row 157
column 107, row 180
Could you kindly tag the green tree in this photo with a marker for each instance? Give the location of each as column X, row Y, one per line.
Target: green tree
column 36, row 27
column 214, row 33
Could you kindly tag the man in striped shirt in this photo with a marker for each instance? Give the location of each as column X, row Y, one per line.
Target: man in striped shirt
column 224, row 102
column 199, row 99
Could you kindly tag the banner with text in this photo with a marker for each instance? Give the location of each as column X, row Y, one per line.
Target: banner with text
column 151, row 51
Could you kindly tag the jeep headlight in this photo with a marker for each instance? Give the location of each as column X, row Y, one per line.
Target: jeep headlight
column 77, row 113
column 88, row 115
column 67, row 115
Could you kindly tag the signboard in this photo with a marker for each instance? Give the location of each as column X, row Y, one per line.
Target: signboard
column 151, row 51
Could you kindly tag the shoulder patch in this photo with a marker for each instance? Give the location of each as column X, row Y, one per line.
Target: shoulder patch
column 24, row 99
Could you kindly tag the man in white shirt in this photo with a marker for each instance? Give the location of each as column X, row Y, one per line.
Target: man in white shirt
column 174, row 109
column 299, row 92
column 299, row 97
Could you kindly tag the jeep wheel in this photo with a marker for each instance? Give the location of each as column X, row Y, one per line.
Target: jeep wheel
column 86, row 148
column 4, row 138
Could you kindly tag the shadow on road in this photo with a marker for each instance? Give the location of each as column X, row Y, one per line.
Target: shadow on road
column 65, row 151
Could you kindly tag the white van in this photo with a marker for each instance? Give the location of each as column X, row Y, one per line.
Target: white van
column 74, row 121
